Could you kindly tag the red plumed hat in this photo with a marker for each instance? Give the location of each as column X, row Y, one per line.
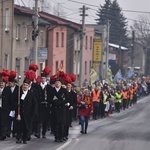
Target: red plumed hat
column 38, row 79
column 73, row 77
column 29, row 76
column 45, row 72
column 12, row 76
column 4, row 75
column 33, row 67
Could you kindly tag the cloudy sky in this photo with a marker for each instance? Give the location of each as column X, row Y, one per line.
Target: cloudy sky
column 71, row 9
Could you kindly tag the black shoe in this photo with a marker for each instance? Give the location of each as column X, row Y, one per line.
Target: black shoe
column 13, row 135
column 29, row 138
column 56, row 140
column 8, row 135
column 82, row 132
column 24, row 142
column 61, row 140
column 37, row 135
column 70, row 126
column 18, row 141
column 43, row 136
column 85, row 132
column 3, row 138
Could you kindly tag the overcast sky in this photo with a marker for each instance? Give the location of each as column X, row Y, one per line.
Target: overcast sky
column 72, row 8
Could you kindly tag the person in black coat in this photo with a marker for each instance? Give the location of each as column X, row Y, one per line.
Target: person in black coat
column 14, row 100
column 44, row 105
column 5, row 107
column 58, row 100
column 27, row 111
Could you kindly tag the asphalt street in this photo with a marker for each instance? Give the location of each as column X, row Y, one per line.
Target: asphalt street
column 128, row 130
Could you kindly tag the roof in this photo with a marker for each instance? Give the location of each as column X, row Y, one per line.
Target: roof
column 117, row 46
column 23, row 10
column 59, row 20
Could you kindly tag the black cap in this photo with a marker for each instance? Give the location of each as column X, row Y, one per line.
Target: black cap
column 58, row 79
column 43, row 74
column 26, row 81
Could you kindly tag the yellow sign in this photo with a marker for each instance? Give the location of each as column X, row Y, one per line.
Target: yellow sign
column 97, row 51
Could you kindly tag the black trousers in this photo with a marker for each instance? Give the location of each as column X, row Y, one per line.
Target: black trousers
column 59, row 131
column 22, row 131
column 124, row 104
column 95, row 109
column 66, row 130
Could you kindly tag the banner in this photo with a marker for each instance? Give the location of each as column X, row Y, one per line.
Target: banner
column 97, row 52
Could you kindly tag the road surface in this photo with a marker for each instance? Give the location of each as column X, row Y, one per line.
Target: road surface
column 128, row 130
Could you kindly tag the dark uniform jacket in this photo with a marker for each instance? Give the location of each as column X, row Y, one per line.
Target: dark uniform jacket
column 58, row 100
column 5, row 110
column 44, row 106
column 28, row 108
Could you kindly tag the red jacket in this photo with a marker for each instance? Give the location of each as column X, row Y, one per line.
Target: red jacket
column 88, row 106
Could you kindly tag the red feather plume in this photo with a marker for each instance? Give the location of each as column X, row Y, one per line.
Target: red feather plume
column 38, row 79
column 12, row 74
column 30, row 75
column 73, row 77
column 33, row 67
column 46, row 70
column 5, row 72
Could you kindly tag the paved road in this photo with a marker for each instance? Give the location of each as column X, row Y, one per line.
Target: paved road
column 128, row 130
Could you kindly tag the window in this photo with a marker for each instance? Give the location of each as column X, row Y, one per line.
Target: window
column 7, row 19
column 86, row 42
column 62, row 39
column 6, row 61
column 57, row 39
column 56, row 69
column 91, row 42
column 90, row 65
column 18, row 65
column 26, row 63
column 41, row 38
column 85, row 67
column 26, row 33
column 18, row 32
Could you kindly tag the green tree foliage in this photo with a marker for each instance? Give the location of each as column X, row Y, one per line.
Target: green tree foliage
column 112, row 12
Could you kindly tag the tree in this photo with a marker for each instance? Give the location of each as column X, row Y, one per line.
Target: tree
column 141, row 27
column 103, row 13
column 118, row 25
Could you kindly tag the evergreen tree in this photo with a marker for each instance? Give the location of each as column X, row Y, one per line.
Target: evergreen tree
column 103, row 13
column 118, row 24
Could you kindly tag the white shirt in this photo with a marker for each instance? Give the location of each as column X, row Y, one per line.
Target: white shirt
column 12, row 89
column 1, row 90
column 43, row 85
column 57, row 89
column 24, row 95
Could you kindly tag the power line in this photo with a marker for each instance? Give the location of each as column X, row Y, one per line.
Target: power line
column 133, row 11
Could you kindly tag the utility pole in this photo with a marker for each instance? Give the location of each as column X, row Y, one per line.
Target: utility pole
column 132, row 53
column 35, row 51
column 81, row 44
column 107, row 47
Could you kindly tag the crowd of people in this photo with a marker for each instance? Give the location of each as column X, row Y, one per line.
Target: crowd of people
column 37, row 106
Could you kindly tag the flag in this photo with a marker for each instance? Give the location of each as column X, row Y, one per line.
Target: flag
column 118, row 76
column 109, row 75
column 93, row 76
column 130, row 72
